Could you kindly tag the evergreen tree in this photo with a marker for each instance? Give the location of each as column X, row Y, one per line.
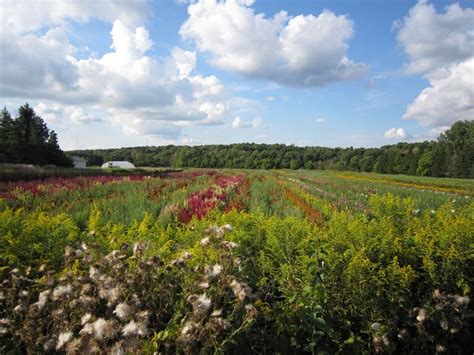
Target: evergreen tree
column 7, row 138
column 27, row 139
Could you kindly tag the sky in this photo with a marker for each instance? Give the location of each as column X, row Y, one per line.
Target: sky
column 339, row 73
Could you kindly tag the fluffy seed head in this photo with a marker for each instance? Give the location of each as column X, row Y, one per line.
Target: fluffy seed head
column 123, row 310
column 134, row 329
column 227, row 227
column 200, row 303
column 61, row 291
column 63, row 339
column 216, row 270
column 104, row 329
column 42, row 299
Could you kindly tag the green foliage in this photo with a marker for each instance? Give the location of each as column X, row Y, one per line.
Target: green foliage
column 452, row 155
column 390, row 277
column 34, row 238
column 27, row 139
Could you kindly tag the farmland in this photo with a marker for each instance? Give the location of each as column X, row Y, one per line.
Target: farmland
column 237, row 261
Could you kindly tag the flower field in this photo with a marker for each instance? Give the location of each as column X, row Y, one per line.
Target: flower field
column 233, row 261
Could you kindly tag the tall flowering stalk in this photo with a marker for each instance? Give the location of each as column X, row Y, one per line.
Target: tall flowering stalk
column 199, row 204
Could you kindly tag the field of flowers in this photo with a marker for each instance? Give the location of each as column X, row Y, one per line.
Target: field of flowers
column 226, row 261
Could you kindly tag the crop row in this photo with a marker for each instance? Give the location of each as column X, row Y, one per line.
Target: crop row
column 222, row 261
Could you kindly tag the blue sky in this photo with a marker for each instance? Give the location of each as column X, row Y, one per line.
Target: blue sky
column 330, row 73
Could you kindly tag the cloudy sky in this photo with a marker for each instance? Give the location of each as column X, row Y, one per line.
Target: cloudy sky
column 106, row 73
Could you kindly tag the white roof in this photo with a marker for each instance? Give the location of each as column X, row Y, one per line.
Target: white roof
column 118, row 164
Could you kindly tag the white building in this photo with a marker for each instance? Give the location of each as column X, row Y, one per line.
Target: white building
column 118, row 165
column 79, row 163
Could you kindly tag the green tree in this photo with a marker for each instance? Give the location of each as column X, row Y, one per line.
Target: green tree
column 27, row 139
column 7, row 138
column 459, row 142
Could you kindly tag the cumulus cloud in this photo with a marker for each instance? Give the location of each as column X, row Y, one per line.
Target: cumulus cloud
column 189, row 141
column 26, row 16
column 396, row 134
column 440, row 46
column 449, row 98
column 296, row 51
column 320, row 120
column 185, row 61
column 432, row 40
column 36, row 64
column 435, row 132
column 239, row 123
column 52, row 112
column 144, row 94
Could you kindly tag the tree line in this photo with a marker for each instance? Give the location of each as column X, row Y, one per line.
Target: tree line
column 451, row 155
column 26, row 139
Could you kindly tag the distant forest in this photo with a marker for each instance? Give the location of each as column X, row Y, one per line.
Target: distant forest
column 451, row 155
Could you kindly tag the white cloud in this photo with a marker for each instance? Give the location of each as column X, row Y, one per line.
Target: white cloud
column 185, row 61
column 270, row 98
column 261, row 136
column 320, row 120
column 432, row 40
column 53, row 112
column 37, row 64
column 257, row 122
column 239, row 123
column 25, row 16
column 189, row 141
column 143, row 94
column 396, row 134
column 213, row 111
column 435, row 132
column 440, row 46
column 296, row 51
column 204, row 86
column 449, row 98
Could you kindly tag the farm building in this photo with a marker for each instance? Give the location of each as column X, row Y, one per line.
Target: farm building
column 118, row 165
column 79, row 163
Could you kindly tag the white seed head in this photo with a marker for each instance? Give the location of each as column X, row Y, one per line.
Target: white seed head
column 123, row 310
column 61, row 291
column 216, row 270
column 187, row 255
column 42, row 299
column 216, row 313
column 94, row 273
column 188, row 329
column 63, row 339
column 133, row 328
column 204, row 284
column 422, row 315
column 227, row 227
column 461, row 300
column 86, row 318
column 241, row 290
column 104, row 329
column 229, row 245
column 138, row 249
column 200, row 303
